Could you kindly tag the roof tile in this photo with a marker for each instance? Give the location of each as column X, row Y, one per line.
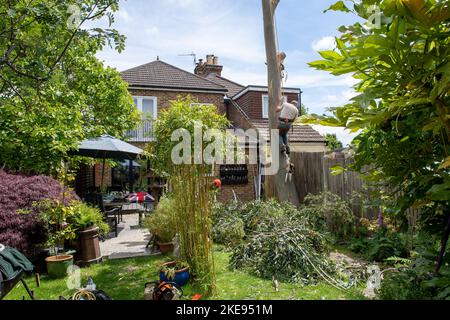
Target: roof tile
column 158, row 74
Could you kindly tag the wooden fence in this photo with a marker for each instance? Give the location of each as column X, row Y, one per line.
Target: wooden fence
column 313, row 176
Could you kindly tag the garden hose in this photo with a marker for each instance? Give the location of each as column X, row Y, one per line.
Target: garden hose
column 83, row 294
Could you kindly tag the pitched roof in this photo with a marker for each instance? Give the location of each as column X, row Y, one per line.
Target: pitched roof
column 233, row 87
column 300, row 133
column 161, row 75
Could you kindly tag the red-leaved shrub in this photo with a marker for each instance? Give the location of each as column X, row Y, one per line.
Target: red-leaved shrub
column 19, row 192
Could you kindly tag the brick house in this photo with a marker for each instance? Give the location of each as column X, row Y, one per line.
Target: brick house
column 155, row 84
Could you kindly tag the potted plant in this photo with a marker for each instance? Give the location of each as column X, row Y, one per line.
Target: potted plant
column 55, row 215
column 89, row 225
column 175, row 271
column 162, row 226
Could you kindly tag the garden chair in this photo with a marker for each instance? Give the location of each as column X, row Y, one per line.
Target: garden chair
column 111, row 216
column 7, row 285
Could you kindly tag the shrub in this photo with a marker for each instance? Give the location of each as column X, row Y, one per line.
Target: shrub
column 381, row 246
column 18, row 193
column 416, row 282
column 161, row 223
column 329, row 213
column 86, row 216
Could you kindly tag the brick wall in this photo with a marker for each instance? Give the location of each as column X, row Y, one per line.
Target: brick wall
column 107, row 182
column 237, row 118
column 164, row 97
column 251, row 103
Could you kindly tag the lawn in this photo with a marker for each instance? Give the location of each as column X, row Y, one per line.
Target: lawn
column 125, row 279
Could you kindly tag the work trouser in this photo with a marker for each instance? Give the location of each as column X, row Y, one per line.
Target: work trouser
column 284, row 128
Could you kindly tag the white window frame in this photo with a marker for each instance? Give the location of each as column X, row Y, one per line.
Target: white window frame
column 265, row 115
column 140, row 108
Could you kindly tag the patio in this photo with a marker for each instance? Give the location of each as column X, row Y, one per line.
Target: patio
column 131, row 240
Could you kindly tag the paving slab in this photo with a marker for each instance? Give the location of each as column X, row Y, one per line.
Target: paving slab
column 131, row 241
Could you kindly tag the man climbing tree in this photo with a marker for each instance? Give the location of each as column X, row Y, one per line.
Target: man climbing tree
column 288, row 114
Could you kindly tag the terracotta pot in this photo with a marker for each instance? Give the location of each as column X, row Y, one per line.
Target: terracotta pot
column 57, row 266
column 165, row 247
column 89, row 247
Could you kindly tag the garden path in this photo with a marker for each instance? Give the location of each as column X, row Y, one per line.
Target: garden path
column 131, row 241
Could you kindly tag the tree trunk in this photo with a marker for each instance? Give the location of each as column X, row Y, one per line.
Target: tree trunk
column 276, row 185
column 445, row 237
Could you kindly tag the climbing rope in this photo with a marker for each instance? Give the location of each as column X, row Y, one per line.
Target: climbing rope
column 282, row 73
column 333, row 282
column 83, row 294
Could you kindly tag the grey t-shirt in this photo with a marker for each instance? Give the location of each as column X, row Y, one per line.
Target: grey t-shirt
column 289, row 111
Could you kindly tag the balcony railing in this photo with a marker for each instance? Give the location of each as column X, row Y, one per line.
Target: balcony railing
column 142, row 133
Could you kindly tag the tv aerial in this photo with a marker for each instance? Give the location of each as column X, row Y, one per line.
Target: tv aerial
column 192, row 54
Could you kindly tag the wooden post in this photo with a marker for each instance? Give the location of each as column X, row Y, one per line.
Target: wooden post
column 276, row 186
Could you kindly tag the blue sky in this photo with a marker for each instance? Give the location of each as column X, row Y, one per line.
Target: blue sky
column 233, row 30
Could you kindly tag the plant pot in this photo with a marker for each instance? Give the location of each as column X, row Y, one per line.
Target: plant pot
column 89, row 247
column 181, row 276
column 165, row 247
column 57, row 266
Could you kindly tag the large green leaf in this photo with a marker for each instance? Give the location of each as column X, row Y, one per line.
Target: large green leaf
column 338, row 6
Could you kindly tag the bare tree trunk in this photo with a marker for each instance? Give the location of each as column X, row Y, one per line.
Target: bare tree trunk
column 276, row 186
column 444, row 241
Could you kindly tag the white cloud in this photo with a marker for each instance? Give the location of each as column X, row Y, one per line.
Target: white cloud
column 325, row 43
column 349, row 94
column 123, row 15
column 152, row 31
column 332, row 97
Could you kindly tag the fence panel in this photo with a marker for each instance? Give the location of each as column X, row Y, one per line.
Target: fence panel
column 313, row 176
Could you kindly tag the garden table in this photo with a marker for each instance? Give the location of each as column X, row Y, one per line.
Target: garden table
column 112, row 205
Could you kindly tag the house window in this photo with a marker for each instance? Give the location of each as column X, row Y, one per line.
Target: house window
column 265, row 107
column 148, row 106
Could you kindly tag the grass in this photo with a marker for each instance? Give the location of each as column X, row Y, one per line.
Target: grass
column 125, row 279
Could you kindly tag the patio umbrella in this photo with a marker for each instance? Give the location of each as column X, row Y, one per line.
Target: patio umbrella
column 107, row 147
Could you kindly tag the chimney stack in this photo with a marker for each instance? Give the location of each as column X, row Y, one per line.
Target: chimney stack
column 210, row 66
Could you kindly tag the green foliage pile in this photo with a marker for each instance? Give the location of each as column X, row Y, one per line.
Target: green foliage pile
column 328, row 213
column 272, row 240
column 228, row 227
